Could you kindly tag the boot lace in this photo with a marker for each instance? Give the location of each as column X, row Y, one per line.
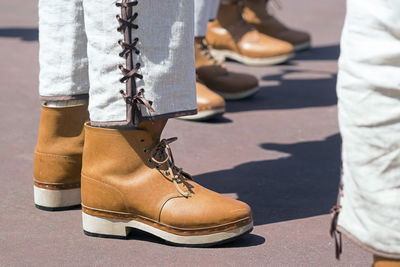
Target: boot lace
column 126, row 21
column 205, row 51
column 161, row 156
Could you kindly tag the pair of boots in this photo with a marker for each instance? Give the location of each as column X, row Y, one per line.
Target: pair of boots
column 127, row 179
column 245, row 32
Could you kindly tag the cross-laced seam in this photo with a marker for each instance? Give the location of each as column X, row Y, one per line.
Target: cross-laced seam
column 132, row 96
column 161, row 156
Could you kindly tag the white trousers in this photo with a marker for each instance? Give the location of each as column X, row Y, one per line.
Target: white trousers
column 80, row 54
column 369, row 116
column 205, row 10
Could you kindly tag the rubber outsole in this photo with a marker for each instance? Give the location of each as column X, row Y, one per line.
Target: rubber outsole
column 99, row 226
column 171, row 243
column 301, row 47
column 222, row 55
column 55, row 200
column 57, row 208
column 204, row 115
column 239, row 96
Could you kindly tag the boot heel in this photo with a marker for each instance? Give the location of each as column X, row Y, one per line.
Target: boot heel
column 104, row 227
column 53, row 200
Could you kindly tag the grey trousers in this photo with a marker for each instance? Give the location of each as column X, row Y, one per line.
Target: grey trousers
column 205, row 10
column 135, row 59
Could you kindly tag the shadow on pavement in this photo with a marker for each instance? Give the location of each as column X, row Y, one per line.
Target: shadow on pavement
column 248, row 240
column 329, row 52
column 25, row 34
column 296, row 90
column 301, row 185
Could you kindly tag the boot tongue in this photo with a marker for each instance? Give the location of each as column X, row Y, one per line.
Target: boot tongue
column 154, row 129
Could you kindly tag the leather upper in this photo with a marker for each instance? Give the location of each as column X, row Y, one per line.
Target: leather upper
column 256, row 14
column 214, row 74
column 118, row 177
column 230, row 32
column 207, row 99
column 58, row 153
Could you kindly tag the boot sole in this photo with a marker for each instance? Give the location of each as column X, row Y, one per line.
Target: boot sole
column 222, row 55
column 55, row 200
column 240, row 95
column 303, row 46
column 115, row 228
column 204, row 115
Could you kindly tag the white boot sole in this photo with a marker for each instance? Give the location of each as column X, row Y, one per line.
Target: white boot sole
column 56, row 199
column 106, row 227
column 238, row 96
column 204, row 115
column 222, row 55
column 302, row 46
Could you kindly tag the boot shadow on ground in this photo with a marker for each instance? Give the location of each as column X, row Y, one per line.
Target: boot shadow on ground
column 248, row 240
column 301, row 185
column 25, row 34
column 328, row 52
column 291, row 93
column 294, row 87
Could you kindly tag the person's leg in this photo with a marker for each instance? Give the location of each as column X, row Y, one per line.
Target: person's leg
column 256, row 13
column 209, row 104
column 146, row 59
column 129, row 177
column 369, row 117
column 231, row 37
column 63, row 88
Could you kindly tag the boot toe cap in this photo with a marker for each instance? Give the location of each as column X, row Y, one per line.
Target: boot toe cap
column 204, row 209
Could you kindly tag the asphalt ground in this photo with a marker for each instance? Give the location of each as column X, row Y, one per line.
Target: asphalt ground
column 278, row 151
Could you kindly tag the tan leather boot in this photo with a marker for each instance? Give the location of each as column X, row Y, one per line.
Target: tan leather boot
column 230, row 85
column 255, row 13
column 58, row 157
column 129, row 180
column 231, row 37
column 209, row 104
column 384, row 262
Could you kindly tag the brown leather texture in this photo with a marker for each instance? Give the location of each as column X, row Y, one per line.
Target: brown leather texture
column 120, row 180
column 215, row 75
column 58, row 154
column 230, row 32
column 385, row 262
column 255, row 13
column 207, row 99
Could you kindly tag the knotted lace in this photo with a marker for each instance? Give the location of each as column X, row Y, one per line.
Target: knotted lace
column 161, row 155
column 126, row 22
column 335, row 234
column 205, row 51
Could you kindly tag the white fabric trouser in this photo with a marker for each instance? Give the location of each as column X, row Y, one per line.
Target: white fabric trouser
column 205, row 10
column 79, row 46
column 369, row 117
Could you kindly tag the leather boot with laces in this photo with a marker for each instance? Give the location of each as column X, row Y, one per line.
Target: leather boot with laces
column 130, row 180
column 229, row 36
column 230, row 85
column 255, row 12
